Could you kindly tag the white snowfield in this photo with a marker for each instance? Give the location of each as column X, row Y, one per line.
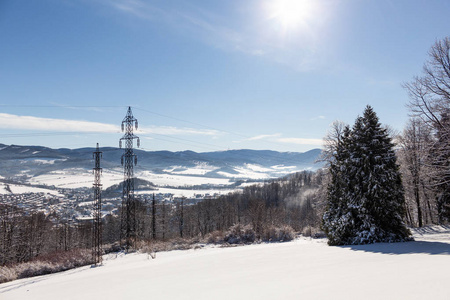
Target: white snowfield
column 302, row 269
column 23, row 189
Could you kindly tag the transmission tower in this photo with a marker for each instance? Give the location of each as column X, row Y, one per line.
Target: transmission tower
column 128, row 218
column 97, row 228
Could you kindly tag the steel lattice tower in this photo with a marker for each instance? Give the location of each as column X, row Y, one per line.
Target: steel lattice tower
column 128, row 219
column 97, row 228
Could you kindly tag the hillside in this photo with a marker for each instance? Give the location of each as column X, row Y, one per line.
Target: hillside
column 71, row 168
column 302, row 269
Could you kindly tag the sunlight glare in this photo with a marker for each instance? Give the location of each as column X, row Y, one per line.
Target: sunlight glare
column 292, row 13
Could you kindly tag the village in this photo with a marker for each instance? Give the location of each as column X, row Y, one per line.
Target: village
column 77, row 204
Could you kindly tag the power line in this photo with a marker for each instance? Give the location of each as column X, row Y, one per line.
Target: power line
column 50, row 133
column 192, row 123
column 196, row 143
column 62, row 106
column 206, row 126
column 183, row 139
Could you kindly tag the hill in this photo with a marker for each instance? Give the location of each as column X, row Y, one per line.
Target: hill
column 70, row 168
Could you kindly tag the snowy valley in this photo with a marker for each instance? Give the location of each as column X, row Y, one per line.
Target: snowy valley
column 60, row 180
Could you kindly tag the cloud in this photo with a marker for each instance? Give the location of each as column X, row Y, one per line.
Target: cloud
column 136, row 8
column 301, row 141
column 318, row 118
column 263, row 137
column 170, row 130
column 8, row 121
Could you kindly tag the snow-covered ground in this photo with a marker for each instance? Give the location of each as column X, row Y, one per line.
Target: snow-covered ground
column 180, row 180
column 176, row 176
column 76, row 178
column 23, row 189
column 302, row 269
column 188, row 193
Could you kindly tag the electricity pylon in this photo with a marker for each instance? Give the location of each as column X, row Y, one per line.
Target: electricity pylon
column 128, row 218
column 97, row 228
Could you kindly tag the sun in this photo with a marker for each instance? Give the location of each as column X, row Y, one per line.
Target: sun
column 292, row 14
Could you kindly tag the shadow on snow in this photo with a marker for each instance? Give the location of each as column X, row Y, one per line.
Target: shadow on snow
column 415, row 247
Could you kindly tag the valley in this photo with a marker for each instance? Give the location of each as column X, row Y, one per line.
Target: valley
column 60, row 180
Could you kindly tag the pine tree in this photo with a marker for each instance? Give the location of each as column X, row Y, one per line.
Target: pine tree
column 365, row 196
column 336, row 217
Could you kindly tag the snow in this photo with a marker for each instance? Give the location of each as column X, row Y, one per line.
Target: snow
column 175, row 176
column 199, row 169
column 24, row 189
column 251, row 172
column 245, row 173
column 257, row 172
column 43, row 161
column 284, row 168
column 257, row 168
column 302, row 269
column 187, row 192
column 76, row 178
column 180, row 180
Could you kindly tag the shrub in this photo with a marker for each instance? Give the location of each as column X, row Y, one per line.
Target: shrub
column 285, row 233
column 239, row 234
column 279, row 234
column 46, row 264
column 215, row 237
column 36, row 268
column 307, row 231
column 7, row 274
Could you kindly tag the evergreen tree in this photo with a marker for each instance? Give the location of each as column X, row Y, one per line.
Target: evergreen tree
column 365, row 195
column 336, row 217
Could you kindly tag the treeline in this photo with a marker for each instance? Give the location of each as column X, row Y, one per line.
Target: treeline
column 25, row 236
column 292, row 202
column 422, row 149
column 425, row 142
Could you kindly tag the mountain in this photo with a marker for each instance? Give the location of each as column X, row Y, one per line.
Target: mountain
column 27, row 162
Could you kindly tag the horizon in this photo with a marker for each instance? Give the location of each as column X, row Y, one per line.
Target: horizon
column 264, row 74
column 187, row 150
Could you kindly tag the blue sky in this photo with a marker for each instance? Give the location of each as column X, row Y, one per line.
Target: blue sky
column 207, row 75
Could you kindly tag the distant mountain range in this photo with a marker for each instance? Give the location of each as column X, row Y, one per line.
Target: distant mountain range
column 31, row 161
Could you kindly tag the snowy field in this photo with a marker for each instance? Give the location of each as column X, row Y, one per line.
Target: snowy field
column 76, row 178
column 180, row 180
column 302, row 269
column 23, row 189
column 189, row 193
column 176, row 176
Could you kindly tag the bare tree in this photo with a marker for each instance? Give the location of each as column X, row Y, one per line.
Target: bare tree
column 414, row 152
column 332, row 140
column 430, row 93
column 430, row 101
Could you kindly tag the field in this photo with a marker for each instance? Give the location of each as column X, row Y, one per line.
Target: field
column 302, row 269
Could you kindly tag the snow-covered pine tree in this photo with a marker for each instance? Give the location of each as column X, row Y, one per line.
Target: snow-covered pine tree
column 336, row 217
column 365, row 199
